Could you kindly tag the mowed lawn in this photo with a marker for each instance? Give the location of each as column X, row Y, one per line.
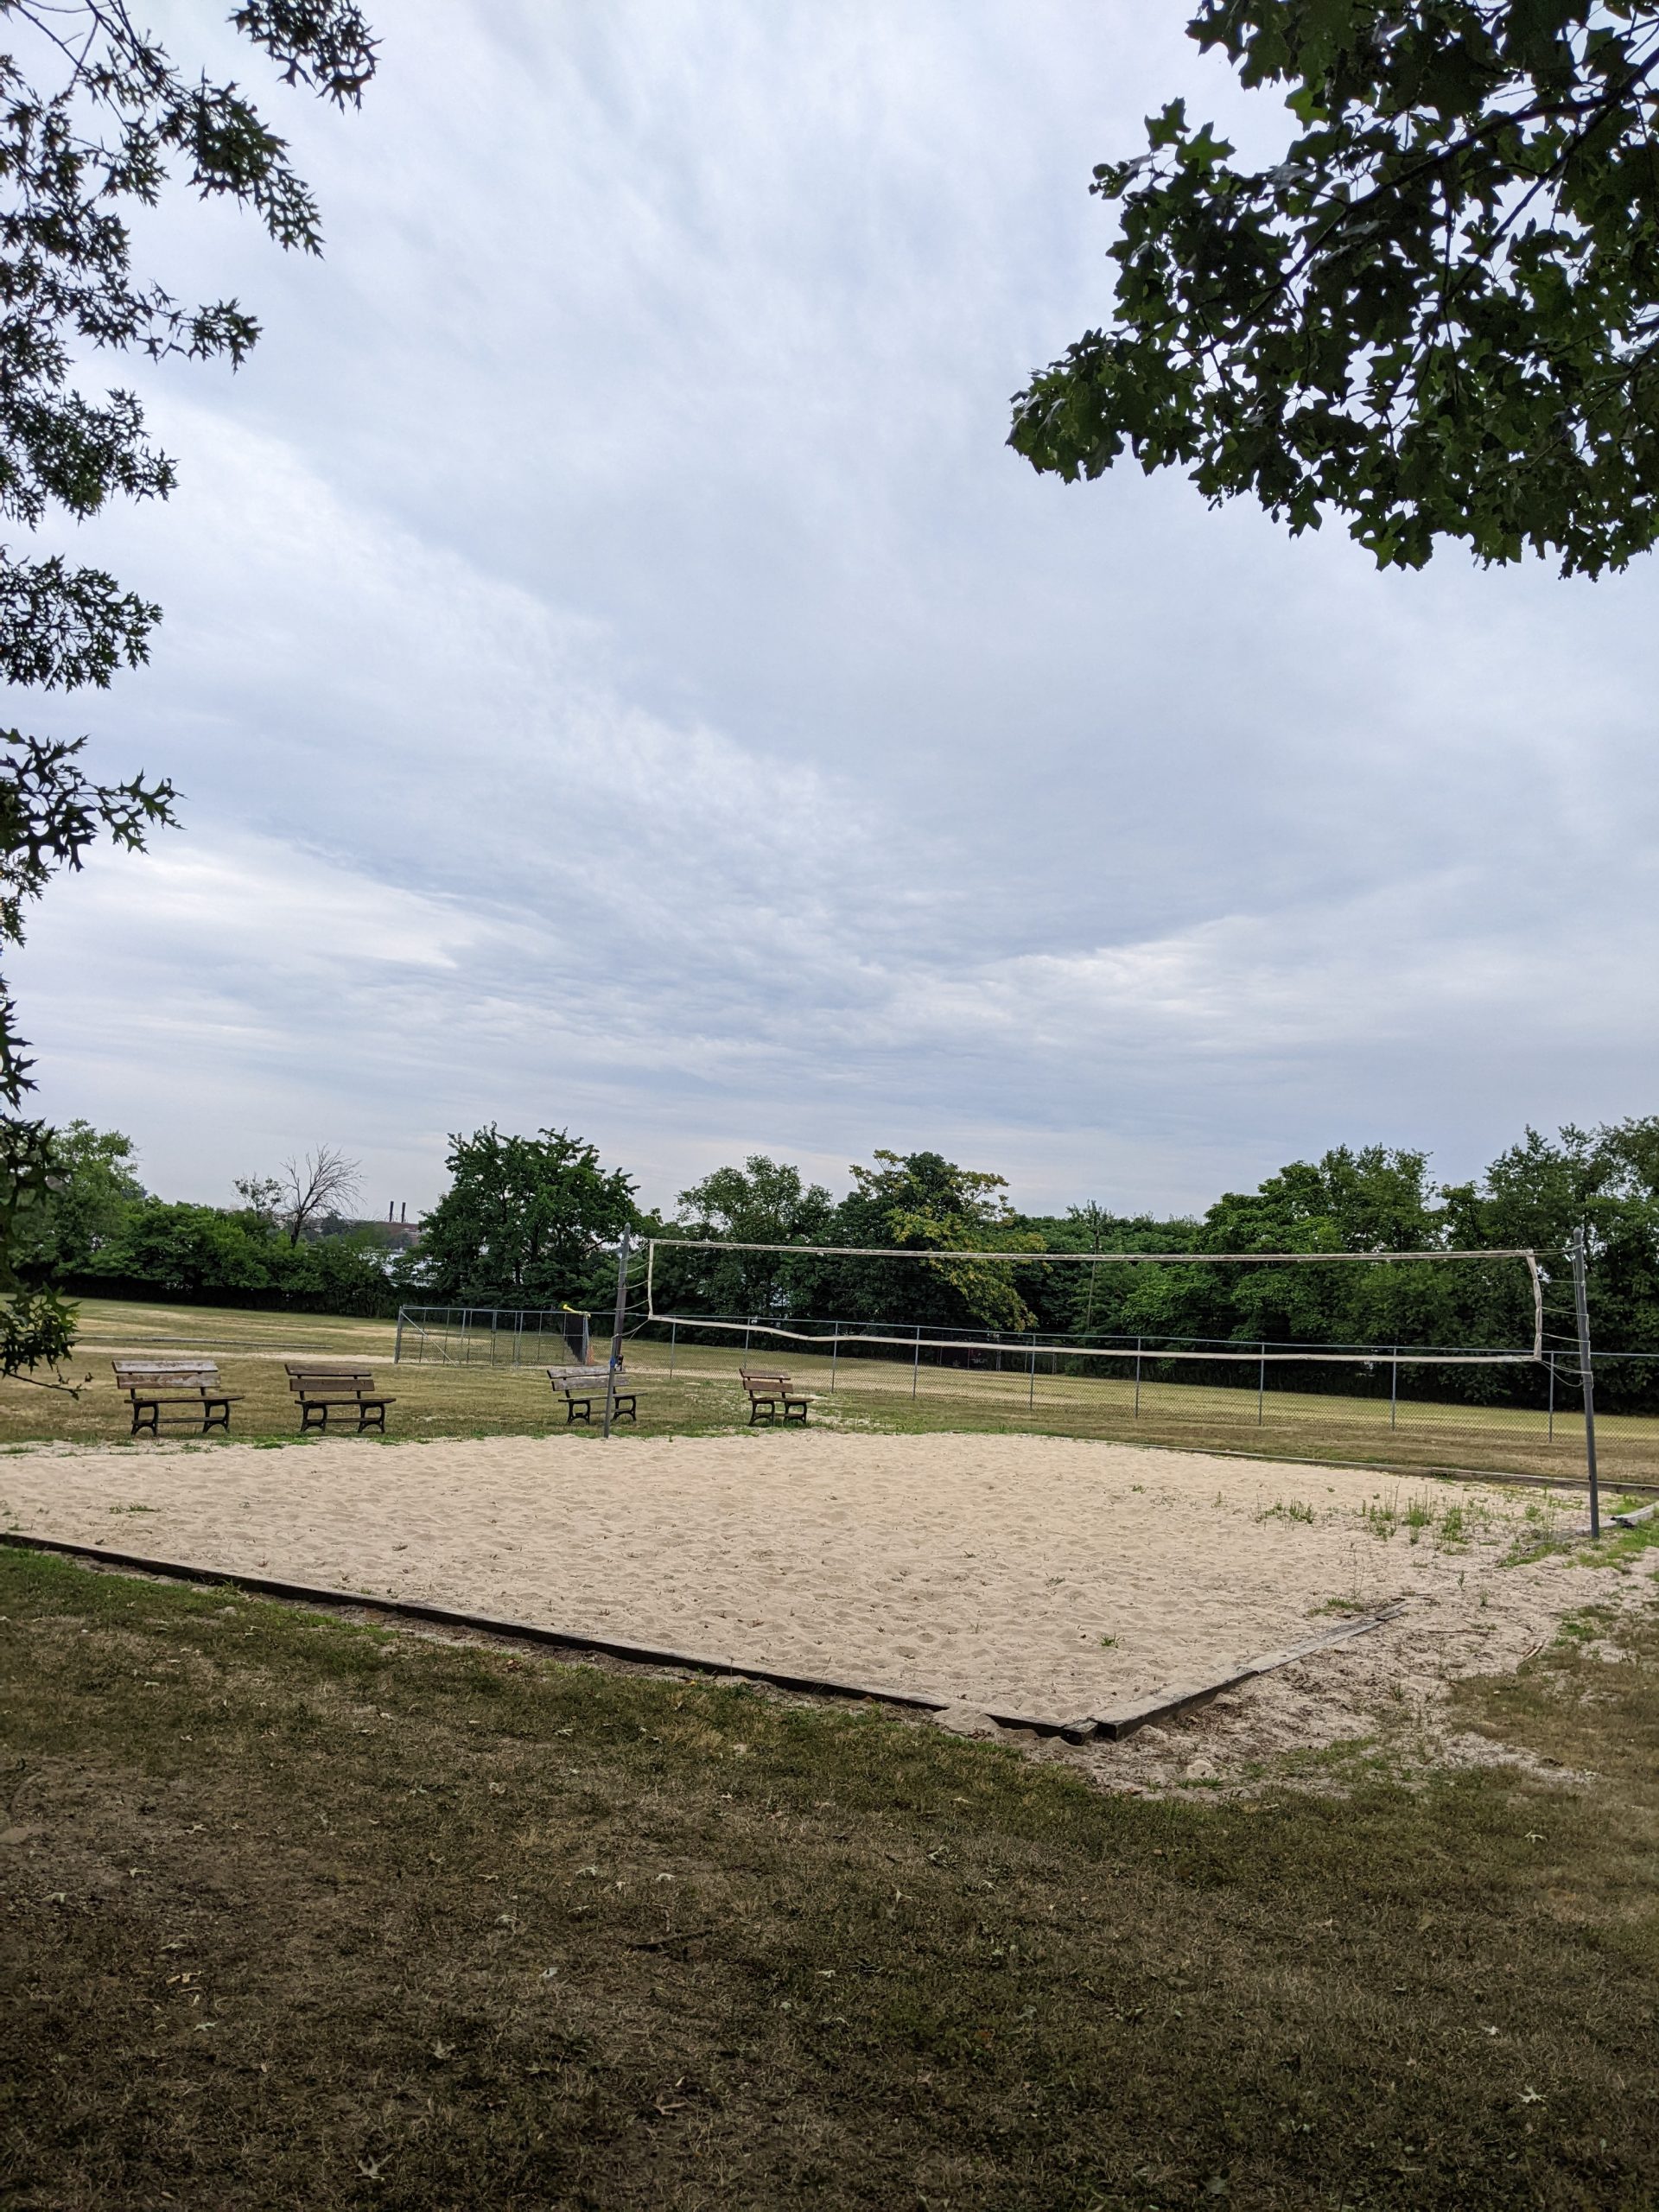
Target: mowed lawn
column 695, row 1389
column 300, row 1914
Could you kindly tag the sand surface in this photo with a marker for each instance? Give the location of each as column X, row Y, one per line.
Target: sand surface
column 1027, row 1575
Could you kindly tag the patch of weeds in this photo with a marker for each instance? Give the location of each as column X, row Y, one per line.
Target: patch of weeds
column 135, row 1509
column 1538, row 1536
column 1350, row 1760
column 1618, row 1548
column 1585, row 1625
column 1290, row 1508
column 1529, row 1545
column 1110, row 1643
column 1417, row 1516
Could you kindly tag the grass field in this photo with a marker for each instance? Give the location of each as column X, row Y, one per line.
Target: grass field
column 701, row 1394
column 305, row 1915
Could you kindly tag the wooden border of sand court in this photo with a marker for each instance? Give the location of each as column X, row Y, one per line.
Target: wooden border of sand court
column 1115, row 1724
column 1164, row 1704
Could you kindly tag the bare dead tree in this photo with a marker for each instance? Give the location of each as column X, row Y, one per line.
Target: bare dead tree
column 324, row 1182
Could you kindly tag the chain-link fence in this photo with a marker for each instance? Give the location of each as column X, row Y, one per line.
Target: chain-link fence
column 492, row 1336
column 1475, row 1406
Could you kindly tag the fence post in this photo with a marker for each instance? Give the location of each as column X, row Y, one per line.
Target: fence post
column 1587, row 1369
column 397, row 1345
column 747, row 1325
column 1261, row 1385
column 1549, row 1436
column 673, row 1338
column 1030, row 1395
column 916, row 1365
column 1394, row 1388
column 835, row 1355
column 1137, row 1378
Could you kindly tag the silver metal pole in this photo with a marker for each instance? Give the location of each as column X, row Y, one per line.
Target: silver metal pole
column 1030, row 1395
column 673, row 1339
column 616, row 1330
column 916, row 1365
column 1586, row 1368
column 1394, row 1389
column 835, row 1355
column 1550, row 1433
column 1262, row 1386
column 397, row 1346
column 1137, row 1378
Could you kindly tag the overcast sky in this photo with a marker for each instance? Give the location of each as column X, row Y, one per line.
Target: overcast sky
column 622, row 681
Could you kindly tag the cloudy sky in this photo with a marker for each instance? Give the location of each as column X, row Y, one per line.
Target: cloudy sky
column 622, row 681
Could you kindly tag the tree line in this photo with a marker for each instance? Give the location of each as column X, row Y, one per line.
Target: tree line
column 535, row 1221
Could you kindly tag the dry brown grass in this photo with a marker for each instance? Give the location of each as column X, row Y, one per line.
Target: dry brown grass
column 299, row 1915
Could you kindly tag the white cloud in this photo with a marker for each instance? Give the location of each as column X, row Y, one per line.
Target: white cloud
column 620, row 679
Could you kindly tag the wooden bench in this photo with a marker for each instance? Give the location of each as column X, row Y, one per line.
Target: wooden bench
column 152, row 1383
column 769, row 1390
column 321, row 1389
column 584, row 1387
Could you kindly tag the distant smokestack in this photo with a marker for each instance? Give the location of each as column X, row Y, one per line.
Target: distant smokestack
column 391, row 1203
column 402, row 1211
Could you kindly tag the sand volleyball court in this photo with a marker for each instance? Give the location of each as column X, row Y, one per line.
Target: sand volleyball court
column 1027, row 1575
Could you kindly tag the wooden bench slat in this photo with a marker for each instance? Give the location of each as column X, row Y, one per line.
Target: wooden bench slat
column 584, row 1388
column 319, row 1386
column 152, row 1383
column 770, row 1388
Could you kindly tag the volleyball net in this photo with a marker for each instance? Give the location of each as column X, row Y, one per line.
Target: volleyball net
column 1418, row 1303
column 1440, row 1357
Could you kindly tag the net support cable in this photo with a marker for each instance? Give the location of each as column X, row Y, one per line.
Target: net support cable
column 1253, row 1353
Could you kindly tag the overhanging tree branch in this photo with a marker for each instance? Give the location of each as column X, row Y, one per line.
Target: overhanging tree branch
column 1430, row 317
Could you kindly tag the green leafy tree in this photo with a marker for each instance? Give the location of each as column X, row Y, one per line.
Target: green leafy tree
column 1538, row 1191
column 186, row 1250
column 262, row 1200
column 1435, row 313
column 237, row 1256
column 763, row 1202
column 1091, row 1301
column 928, row 1201
column 94, row 122
column 526, row 1221
column 93, row 1194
